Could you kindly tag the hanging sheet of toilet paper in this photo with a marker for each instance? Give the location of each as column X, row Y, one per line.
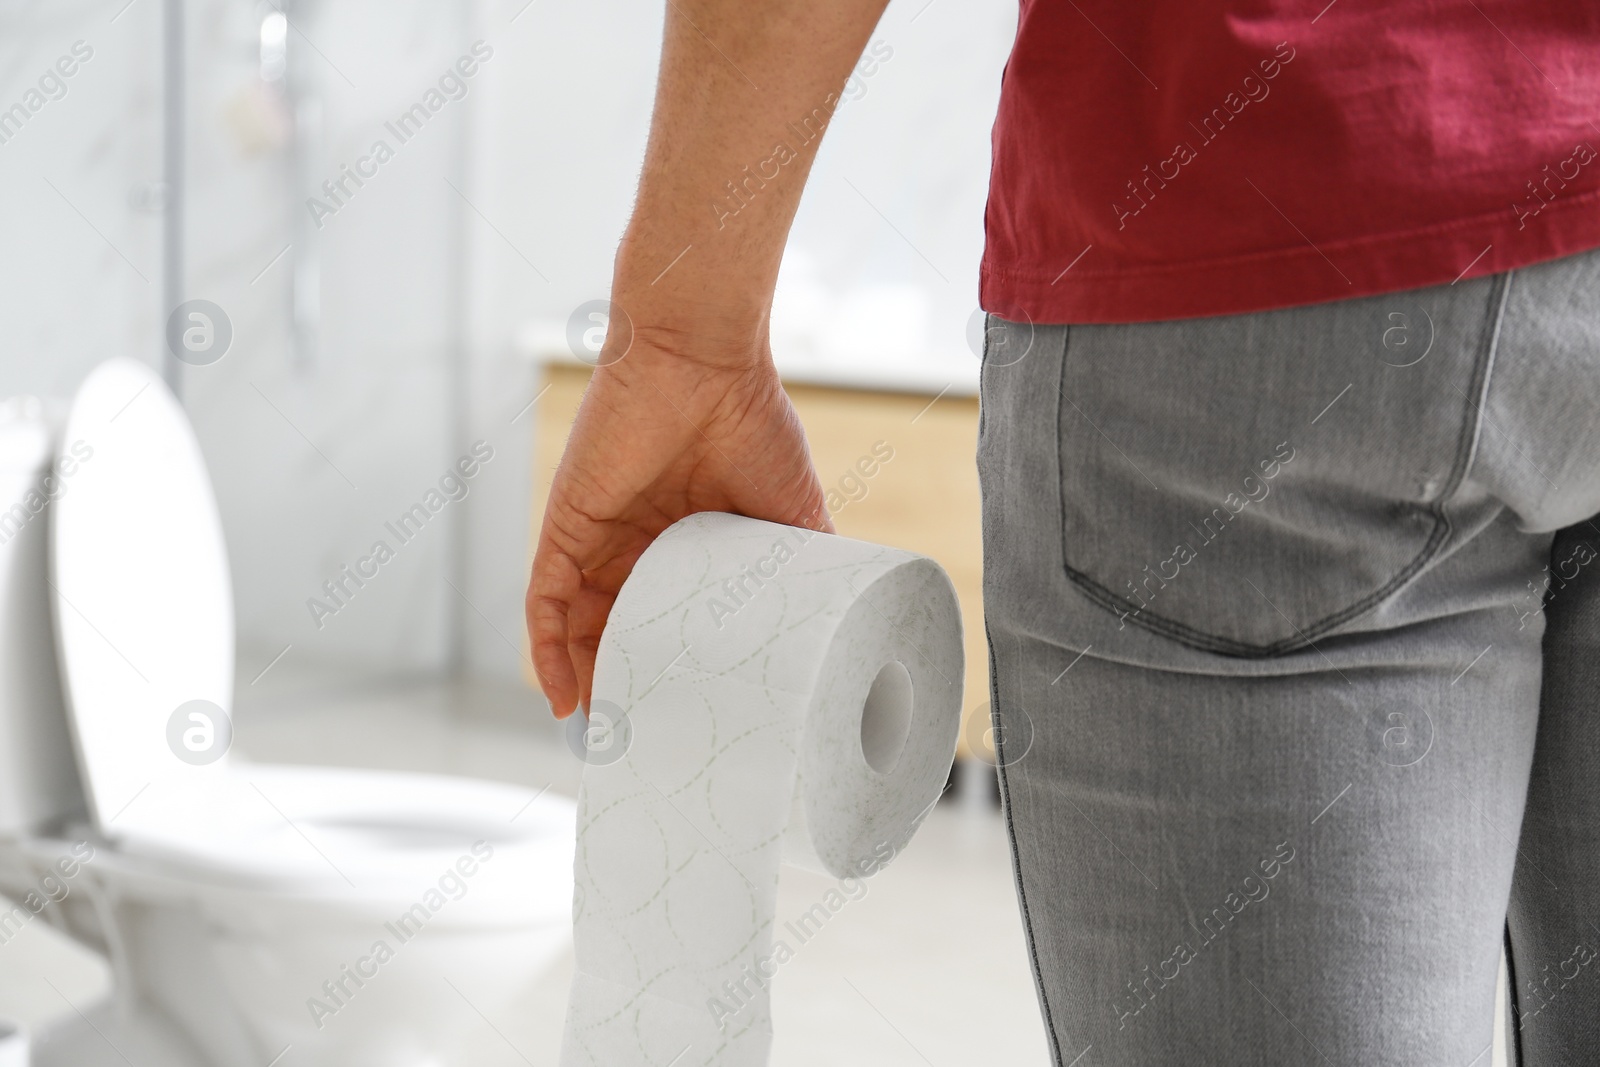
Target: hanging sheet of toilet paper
column 762, row 695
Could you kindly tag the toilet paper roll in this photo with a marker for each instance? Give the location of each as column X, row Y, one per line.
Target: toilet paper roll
column 772, row 695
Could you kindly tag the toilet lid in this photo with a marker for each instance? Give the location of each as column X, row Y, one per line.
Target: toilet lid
column 140, row 589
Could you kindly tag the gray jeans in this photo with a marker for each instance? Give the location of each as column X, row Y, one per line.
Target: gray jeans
column 1295, row 631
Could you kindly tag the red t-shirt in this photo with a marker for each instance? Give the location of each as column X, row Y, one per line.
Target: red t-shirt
column 1179, row 158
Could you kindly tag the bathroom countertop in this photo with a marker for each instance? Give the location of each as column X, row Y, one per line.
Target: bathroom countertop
column 544, row 341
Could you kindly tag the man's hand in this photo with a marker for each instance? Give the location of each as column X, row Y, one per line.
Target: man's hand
column 659, row 436
column 690, row 417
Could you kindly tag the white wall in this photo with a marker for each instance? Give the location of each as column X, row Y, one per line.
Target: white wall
column 565, row 137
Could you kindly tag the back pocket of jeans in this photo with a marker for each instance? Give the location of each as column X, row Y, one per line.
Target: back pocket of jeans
column 1247, row 484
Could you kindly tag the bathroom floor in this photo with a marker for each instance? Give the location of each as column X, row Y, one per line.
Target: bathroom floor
column 926, row 969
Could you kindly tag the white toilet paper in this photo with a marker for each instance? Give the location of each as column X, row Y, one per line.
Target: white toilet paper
column 789, row 696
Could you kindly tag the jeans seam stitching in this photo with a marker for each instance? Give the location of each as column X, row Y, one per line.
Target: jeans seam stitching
column 1467, row 438
column 1514, row 1024
column 1016, row 853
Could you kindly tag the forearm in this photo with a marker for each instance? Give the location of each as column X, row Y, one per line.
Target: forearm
column 745, row 92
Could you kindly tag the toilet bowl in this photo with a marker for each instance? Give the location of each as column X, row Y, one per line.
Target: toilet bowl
column 252, row 914
column 13, row 1045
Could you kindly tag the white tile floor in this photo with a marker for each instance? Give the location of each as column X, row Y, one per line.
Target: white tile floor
column 927, row 969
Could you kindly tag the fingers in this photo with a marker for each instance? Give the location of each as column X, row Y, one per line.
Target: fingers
column 810, row 508
column 815, row 516
column 586, row 621
column 554, row 584
column 588, row 611
column 578, row 568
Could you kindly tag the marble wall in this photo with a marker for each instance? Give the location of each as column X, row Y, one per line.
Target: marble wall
column 80, row 167
column 340, row 407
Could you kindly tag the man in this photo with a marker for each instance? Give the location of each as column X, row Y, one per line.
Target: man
column 1289, row 443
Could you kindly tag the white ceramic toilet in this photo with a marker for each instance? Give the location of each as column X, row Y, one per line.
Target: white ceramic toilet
column 252, row 914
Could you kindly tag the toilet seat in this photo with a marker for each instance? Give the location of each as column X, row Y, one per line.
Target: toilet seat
column 344, row 833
